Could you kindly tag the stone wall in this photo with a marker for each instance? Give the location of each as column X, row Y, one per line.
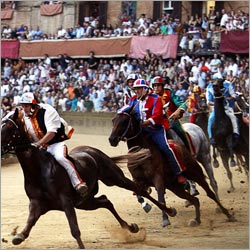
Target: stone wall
column 96, row 123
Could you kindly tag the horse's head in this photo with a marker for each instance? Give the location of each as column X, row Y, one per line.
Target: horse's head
column 12, row 131
column 202, row 104
column 125, row 126
column 218, row 87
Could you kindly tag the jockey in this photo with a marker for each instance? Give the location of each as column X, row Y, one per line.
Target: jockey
column 229, row 95
column 193, row 103
column 148, row 108
column 47, row 130
column 129, row 93
column 173, row 109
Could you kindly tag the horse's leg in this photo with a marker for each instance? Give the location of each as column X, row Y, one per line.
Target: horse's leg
column 202, row 182
column 146, row 207
column 104, row 202
column 225, row 157
column 205, row 160
column 179, row 190
column 229, row 143
column 161, row 198
column 122, row 181
column 192, row 190
column 35, row 211
column 160, row 188
column 215, row 161
column 72, row 220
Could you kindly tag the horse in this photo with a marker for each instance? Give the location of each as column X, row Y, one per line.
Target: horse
column 241, row 111
column 48, row 186
column 201, row 148
column 156, row 172
column 201, row 116
column 222, row 128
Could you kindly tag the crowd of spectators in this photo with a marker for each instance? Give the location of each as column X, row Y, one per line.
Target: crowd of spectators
column 88, row 85
column 195, row 34
column 98, row 84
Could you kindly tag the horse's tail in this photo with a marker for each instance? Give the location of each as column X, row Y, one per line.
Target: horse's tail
column 135, row 157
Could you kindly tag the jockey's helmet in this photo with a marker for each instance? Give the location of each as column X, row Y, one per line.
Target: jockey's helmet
column 28, row 98
column 140, row 83
column 196, row 89
column 132, row 77
column 157, row 80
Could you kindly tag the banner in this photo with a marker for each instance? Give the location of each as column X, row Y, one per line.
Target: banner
column 235, row 42
column 135, row 47
column 165, row 46
column 51, row 9
column 76, row 48
column 6, row 14
column 10, row 49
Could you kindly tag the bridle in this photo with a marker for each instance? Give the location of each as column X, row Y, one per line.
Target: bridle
column 130, row 124
column 10, row 147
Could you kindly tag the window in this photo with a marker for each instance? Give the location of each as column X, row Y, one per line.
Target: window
column 167, row 5
column 129, row 10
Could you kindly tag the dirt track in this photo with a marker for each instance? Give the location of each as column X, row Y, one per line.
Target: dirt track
column 100, row 229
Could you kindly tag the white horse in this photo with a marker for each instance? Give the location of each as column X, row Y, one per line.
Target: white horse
column 202, row 150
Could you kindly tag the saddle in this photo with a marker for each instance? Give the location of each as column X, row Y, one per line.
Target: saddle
column 177, row 152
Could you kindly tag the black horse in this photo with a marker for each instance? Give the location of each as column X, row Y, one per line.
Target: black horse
column 48, row 186
column 222, row 130
column 156, row 172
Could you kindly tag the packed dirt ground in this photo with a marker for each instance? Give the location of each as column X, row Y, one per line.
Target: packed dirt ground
column 100, row 230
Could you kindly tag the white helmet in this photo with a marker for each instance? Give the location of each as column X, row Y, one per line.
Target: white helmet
column 132, row 77
column 28, row 98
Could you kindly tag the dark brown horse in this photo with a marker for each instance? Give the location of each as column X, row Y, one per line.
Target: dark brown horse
column 223, row 134
column 156, row 172
column 48, row 186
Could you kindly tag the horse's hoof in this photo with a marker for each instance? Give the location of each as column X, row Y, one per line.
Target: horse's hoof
column 232, row 164
column 193, row 223
column 232, row 219
column 215, row 164
column 134, row 228
column 146, row 207
column 18, row 239
column 230, row 190
column 165, row 223
column 173, row 212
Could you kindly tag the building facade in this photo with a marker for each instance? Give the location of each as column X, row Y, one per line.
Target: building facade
column 111, row 12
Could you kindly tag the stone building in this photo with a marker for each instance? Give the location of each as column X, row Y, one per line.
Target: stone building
column 110, row 12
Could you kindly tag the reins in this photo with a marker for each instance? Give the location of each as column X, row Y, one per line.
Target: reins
column 123, row 136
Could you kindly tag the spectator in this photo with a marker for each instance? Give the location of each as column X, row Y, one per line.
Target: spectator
column 92, row 61
column 88, row 104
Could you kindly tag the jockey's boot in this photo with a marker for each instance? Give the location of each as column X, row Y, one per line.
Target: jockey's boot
column 82, row 189
column 181, row 179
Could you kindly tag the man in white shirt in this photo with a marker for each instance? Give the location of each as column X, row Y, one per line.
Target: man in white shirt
column 215, row 63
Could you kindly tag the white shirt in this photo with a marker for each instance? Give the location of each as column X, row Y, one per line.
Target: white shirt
column 51, row 119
